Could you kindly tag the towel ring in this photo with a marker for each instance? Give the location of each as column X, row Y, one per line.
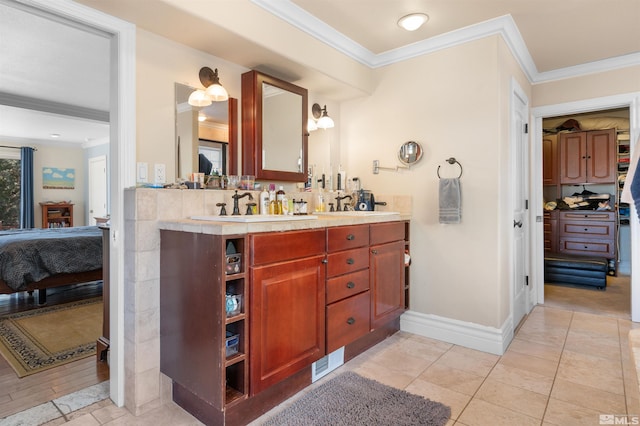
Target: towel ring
column 451, row 160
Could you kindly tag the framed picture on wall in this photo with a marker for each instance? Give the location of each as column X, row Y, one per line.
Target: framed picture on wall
column 55, row 178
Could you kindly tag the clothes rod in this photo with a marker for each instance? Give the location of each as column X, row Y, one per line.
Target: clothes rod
column 17, row 147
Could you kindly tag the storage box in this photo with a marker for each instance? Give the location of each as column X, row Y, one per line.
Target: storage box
column 231, row 344
column 233, row 263
column 233, row 304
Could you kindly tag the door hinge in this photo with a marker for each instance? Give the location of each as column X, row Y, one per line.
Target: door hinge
column 526, row 280
column 526, row 204
column 526, row 127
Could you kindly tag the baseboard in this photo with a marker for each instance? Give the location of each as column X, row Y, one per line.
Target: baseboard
column 469, row 335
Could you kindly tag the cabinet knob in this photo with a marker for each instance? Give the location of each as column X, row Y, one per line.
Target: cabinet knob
column 350, row 261
column 374, row 251
column 351, row 320
column 351, row 237
column 586, row 229
column 351, row 284
column 325, row 260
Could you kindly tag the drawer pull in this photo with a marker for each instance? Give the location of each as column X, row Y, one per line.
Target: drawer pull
column 351, row 284
column 374, row 251
column 586, row 229
column 350, row 261
column 325, row 260
column 351, row 320
column 351, row 237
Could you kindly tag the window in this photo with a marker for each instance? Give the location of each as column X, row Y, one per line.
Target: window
column 9, row 189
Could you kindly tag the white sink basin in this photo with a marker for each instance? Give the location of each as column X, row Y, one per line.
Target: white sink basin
column 254, row 218
column 357, row 213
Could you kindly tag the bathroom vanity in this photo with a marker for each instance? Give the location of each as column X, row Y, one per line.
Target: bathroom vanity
column 297, row 294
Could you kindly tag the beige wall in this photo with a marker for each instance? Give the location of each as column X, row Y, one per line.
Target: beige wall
column 616, row 82
column 160, row 64
column 451, row 102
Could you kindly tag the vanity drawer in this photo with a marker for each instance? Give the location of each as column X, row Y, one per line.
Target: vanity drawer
column 347, row 237
column 344, row 286
column 273, row 247
column 347, row 261
column 381, row 233
column 347, row 320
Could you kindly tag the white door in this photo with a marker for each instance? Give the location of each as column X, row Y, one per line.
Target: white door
column 97, row 188
column 519, row 174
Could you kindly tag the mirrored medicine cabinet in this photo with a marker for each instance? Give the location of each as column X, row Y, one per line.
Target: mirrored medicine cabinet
column 274, row 135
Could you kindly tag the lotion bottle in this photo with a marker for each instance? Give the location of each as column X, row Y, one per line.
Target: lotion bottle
column 264, row 201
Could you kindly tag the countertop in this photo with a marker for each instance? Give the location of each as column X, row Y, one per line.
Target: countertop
column 232, row 228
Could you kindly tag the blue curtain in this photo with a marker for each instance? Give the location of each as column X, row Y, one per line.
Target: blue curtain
column 26, row 188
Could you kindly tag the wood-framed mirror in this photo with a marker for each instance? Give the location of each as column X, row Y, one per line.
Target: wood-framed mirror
column 274, row 134
column 216, row 136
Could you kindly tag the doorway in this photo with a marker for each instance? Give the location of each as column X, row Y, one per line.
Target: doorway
column 630, row 101
column 603, row 228
column 121, row 152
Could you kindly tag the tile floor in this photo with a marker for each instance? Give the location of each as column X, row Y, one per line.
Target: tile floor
column 562, row 368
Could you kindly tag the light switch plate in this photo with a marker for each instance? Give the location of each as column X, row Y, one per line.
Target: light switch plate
column 143, row 173
column 159, row 173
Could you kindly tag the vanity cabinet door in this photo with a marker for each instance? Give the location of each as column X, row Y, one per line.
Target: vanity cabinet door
column 386, row 269
column 287, row 319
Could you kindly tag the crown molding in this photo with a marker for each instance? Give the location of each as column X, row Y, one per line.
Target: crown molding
column 504, row 26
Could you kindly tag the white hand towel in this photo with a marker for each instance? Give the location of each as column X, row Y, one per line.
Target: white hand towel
column 450, row 200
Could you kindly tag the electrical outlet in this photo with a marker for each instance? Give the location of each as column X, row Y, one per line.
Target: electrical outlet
column 159, row 173
column 143, row 173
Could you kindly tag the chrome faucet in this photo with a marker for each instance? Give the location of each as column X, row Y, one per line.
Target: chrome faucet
column 236, row 197
column 339, row 199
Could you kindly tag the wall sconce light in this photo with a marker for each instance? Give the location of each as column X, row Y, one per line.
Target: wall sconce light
column 323, row 119
column 214, row 91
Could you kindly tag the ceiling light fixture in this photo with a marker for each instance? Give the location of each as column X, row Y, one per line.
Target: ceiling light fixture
column 55, row 135
column 323, row 119
column 202, row 117
column 413, row 21
column 214, row 91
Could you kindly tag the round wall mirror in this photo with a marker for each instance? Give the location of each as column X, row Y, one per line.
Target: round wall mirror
column 410, row 153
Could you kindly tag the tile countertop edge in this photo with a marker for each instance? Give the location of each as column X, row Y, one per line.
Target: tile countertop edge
column 230, row 228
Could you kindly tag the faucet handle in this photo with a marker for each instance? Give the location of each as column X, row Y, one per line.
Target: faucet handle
column 331, row 209
column 223, row 211
column 250, row 207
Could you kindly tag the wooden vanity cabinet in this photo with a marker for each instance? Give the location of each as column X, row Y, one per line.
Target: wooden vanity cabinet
column 287, row 275
column 208, row 368
column 386, row 271
column 348, row 296
column 550, row 222
column 550, row 167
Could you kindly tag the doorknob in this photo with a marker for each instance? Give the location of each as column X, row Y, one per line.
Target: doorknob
column 518, row 224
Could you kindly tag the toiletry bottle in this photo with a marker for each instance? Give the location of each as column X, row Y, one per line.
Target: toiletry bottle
column 285, row 205
column 272, row 199
column 279, row 199
column 264, row 201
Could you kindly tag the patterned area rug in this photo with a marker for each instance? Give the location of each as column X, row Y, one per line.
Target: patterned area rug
column 350, row 399
column 43, row 338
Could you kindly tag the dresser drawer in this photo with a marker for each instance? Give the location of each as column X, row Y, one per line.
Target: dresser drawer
column 587, row 229
column 347, row 261
column 347, row 237
column 347, row 285
column 587, row 215
column 347, row 320
column 588, row 247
